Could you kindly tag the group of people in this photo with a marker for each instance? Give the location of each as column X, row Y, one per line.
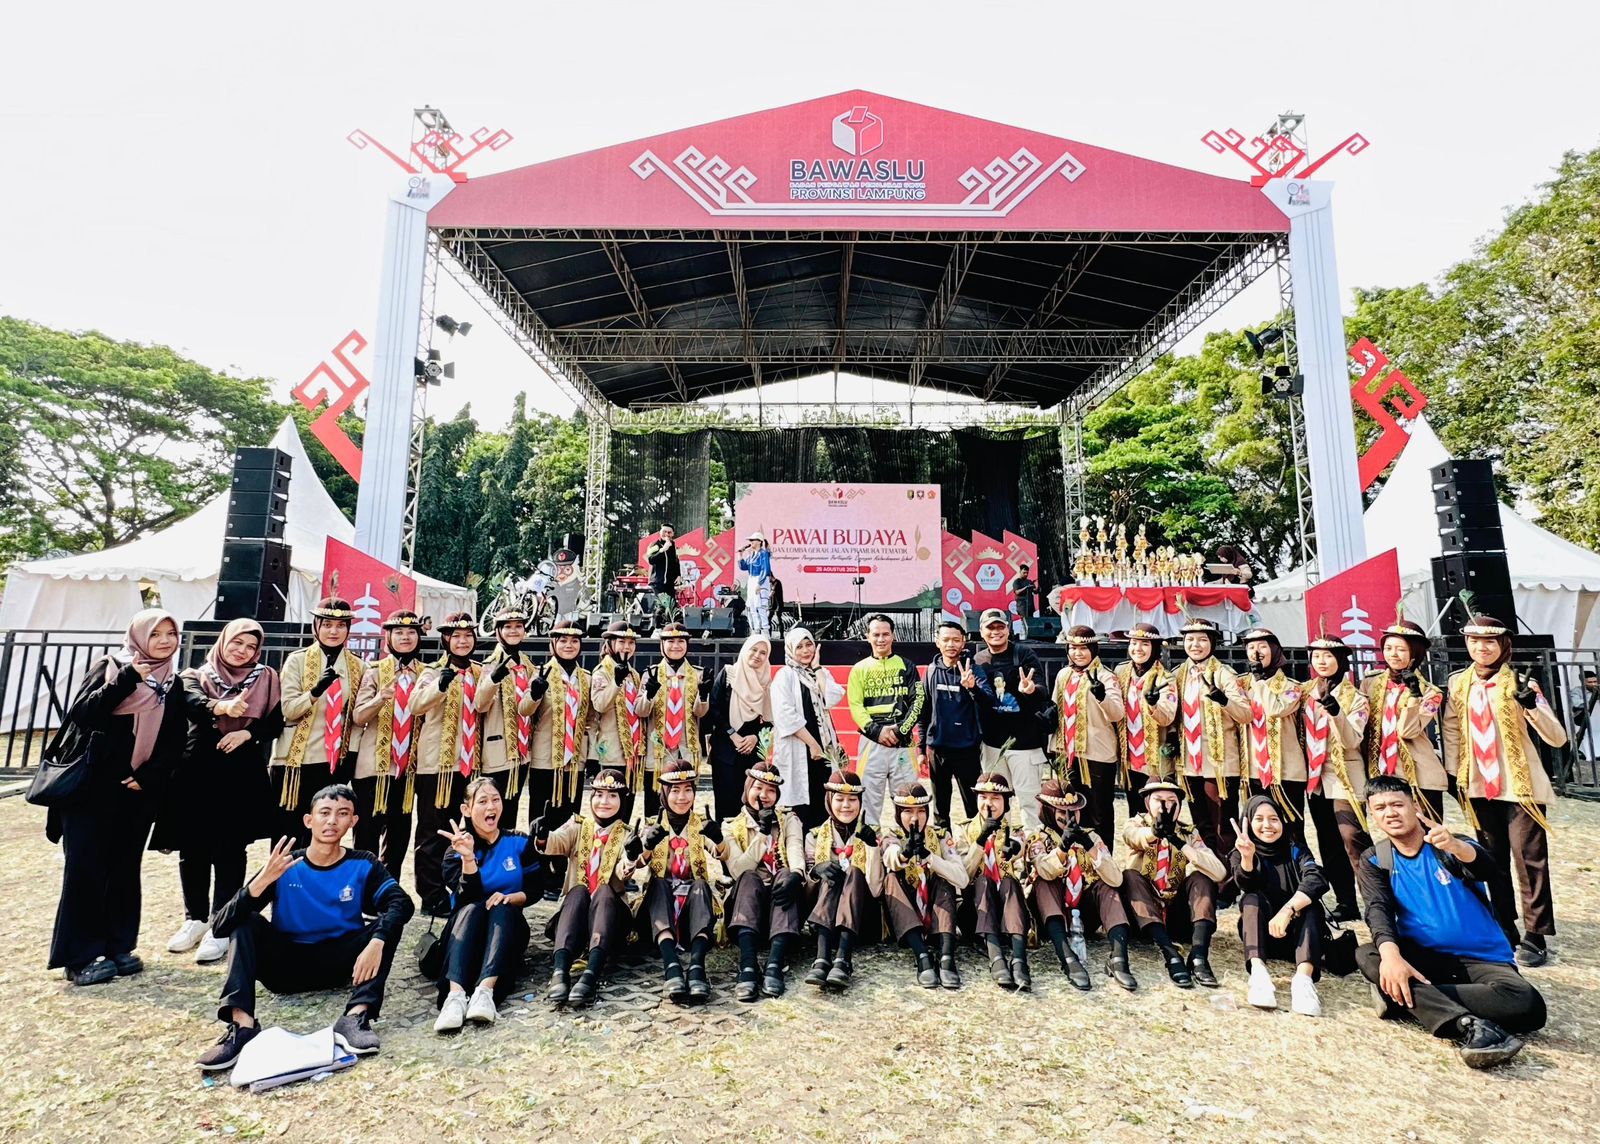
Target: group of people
column 798, row 838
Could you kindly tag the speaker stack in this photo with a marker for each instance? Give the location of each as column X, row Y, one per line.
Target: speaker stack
column 254, row 580
column 1472, row 543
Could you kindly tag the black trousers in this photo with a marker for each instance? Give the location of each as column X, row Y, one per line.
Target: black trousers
column 103, row 843
column 539, row 788
column 484, row 942
column 590, row 921
column 958, row 767
column 1340, row 843
column 1513, row 837
column 1462, row 986
column 428, row 866
column 387, row 835
column 1303, row 942
column 263, row 954
column 652, row 800
column 1101, row 793
column 727, row 776
column 202, row 896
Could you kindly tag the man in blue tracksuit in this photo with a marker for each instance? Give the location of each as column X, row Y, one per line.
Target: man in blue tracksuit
column 336, row 917
column 954, row 691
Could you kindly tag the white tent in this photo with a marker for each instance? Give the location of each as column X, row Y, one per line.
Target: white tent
column 1556, row 583
column 98, row 591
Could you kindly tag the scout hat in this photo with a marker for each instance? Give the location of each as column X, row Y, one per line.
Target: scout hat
column 1487, row 627
column 620, row 630
column 992, row 782
column 911, row 795
column 673, row 629
column 458, row 622
column 567, row 628
column 1158, row 785
column 1409, row 631
column 843, row 782
column 1324, row 642
column 1058, row 797
column 764, row 773
column 403, row 619
column 1081, row 635
column 511, row 615
column 332, row 608
column 678, row 776
column 609, row 779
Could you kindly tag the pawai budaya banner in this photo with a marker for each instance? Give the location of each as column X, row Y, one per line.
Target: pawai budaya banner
column 824, row 536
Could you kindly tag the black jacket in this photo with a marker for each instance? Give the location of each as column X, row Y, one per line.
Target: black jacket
column 951, row 715
column 664, row 565
column 1030, row 724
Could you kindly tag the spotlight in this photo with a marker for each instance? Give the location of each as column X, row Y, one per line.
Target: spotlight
column 452, row 327
column 1264, row 340
column 1282, row 382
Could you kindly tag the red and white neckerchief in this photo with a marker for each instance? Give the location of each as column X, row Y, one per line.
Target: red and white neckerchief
column 400, row 724
column 1163, row 865
column 467, row 743
column 1485, row 736
column 920, row 896
column 333, row 722
column 1069, row 715
column 678, row 871
column 1317, row 728
column 672, row 719
column 592, row 867
column 569, row 722
column 1194, row 722
column 1072, row 878
column 1260, row 743
column 991, row 860
column 1389, row 728
column 770, row 858
column 521, row 679
column 1135, row 725
column 634, row 737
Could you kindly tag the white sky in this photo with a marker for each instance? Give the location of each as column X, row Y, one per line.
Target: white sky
column 178, row 173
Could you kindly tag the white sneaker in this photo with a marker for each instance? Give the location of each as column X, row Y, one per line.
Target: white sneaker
column 211, row 949
column 1303, row 996
column 482, row 1009
column 1262, row 994
column 452, row 1014
column 187, row 937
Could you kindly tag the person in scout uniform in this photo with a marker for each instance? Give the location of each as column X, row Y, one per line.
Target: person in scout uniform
column 1210, row 704
column 846, row 867
column 1075, row 887
column 925, row 874
column 764, row 848
column 1488, row 742
column 453, row 696
column 621, row 717
column 386, row 760
column 677, row 854
column 593, row 915
column 1273, row 761
column 997, row 864
column 507, row 732
column 1089, row 706
column 1169, row 883
column 558, row 700
column 1333, row 717
column 1144, row 745
column 319, row 686
column 1403, row 703
column 678, row 699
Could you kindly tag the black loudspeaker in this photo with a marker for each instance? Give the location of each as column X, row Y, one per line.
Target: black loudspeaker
column 258, row 502
column 1461, row 539
column 718, row 623
column 1044, row 627
column 1486, row 575
column 261, row 458
column 253, row 581
column 695, row 618
column 1469, row 514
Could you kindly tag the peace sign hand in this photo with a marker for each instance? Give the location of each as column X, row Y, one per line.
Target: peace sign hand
column 969, row 678
column 1245, row 845
column 278, row 862
column 460, row 841
column 1525, row 693
column 1025, row 683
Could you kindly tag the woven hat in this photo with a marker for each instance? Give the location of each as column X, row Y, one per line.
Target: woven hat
column 911, row 795
column 609, row 779
column 991, row 782
column 403, row 619
column 844, row 782
column 332, row 608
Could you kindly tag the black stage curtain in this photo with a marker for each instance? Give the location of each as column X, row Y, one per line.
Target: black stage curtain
column 990, row 479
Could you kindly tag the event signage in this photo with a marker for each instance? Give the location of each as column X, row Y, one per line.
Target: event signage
column 373, row 588
column 339, row 390
column 1357, row 603
column 1384, row 406
column 827, row 537
column 978, row 572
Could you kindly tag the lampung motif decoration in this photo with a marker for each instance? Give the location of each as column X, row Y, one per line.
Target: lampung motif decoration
column 325, row 384
column 1277, row 156
column 1388, row 408
column 443, row 153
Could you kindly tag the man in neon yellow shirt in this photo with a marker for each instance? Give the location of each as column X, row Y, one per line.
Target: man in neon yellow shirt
column 885, row 696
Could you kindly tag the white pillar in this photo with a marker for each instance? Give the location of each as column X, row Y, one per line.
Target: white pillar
column 1320, row 344
column 386, row 443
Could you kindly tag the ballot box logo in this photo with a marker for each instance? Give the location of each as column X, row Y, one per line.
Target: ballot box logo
column 857, row 131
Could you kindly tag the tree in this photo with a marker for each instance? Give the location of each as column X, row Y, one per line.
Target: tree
column 550, row 494
column 111, row 440
column 446, row 506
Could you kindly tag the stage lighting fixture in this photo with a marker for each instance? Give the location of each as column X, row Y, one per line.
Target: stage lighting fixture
column 1263, row 340
column 1282, row 382
column 446, row 323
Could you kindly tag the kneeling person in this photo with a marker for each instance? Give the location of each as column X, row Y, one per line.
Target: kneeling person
column 765, row 850
column 846, row 866
column 996, row 862
column 319, row 935
column 924, row 876
column 1075, row 887
column 1169, row 880
column 680, row 851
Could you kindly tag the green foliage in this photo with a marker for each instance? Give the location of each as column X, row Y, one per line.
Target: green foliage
column 107, row 440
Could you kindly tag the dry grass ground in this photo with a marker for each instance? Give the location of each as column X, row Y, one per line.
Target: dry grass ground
column 886, row 1061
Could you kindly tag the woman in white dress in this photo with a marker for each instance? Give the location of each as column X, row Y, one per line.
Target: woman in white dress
column 804, row 694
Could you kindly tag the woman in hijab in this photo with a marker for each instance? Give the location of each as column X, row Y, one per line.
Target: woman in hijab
column 741, row 710
column 1280, row 906
column 127, row 727
column 234, row 719
column 804, row 694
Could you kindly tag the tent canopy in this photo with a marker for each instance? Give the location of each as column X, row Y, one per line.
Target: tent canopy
column 98, row 591
column 855, row 231
column 1555, row 582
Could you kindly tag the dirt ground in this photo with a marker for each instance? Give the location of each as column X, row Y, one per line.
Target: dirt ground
column 884, row 1061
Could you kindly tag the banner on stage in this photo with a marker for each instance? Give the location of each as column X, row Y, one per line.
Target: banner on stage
column 706, row 564
column 1356, row 604
column 374, row 590
column 825, row 537
column 978, row 572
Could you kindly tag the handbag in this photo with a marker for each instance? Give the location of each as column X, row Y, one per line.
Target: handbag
column 1339, row 952
column 430, row 952
column 61, row 779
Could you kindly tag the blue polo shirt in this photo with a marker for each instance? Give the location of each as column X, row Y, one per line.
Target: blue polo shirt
column 1440, row 911
column 500, row 867
column 316, row 903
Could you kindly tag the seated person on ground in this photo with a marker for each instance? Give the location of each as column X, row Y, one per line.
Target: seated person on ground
column 1280, row 906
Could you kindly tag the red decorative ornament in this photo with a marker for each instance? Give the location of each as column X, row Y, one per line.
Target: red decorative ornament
column 1386, row 410
column 324, row 384
column 443, row 153
column 1278, row 157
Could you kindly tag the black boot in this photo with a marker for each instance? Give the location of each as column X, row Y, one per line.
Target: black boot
column 927, row 975
column 841, row 973
column 699, row 987
column 1117, row 964
column 1176, row 969
column 998, row 965
column 587, row 985
column 1200, row 967
column 949, row 975
column 673, row 986
column 772, row 983
column 1019, row 965
column 560, row 980
column 818, row 976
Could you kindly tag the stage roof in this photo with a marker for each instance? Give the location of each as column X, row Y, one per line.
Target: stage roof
column 855, row 232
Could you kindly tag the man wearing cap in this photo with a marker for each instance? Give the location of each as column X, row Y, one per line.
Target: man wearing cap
column 1089, row 706
column 453, row 698
column 679, row 699
column 949, row 728
column 1075, row 887
column 1274, row 763
column 756, row 564
column 1333, row 717
column 764, row 848
column 845, row 866
column 924, row 875
column 1488, row 730
column 1145, row 749
column 1404, row 704
column 997, row 864
column 320, row 682
column 1169, row 882
column 885, row 695
column 386, row 770
column 508, row 733
column 1018, row 724
column 621, row 715
column 1211, row 705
